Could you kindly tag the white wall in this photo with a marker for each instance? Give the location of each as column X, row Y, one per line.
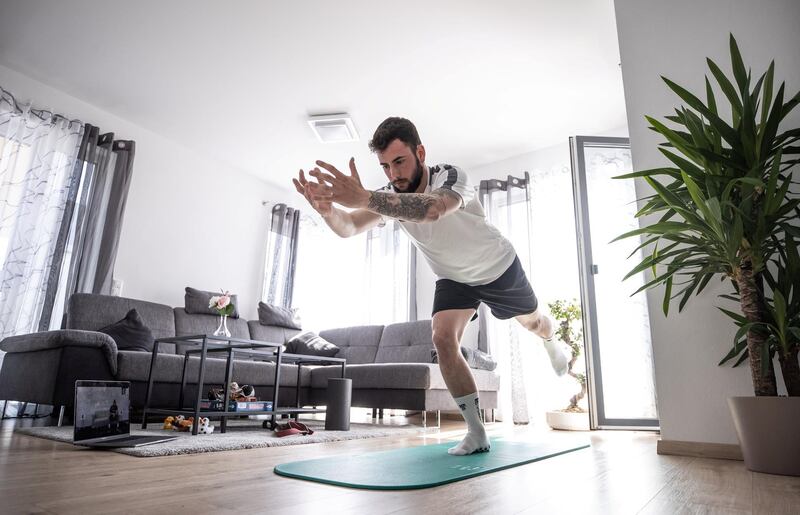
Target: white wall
column 189, row 221
column 673, row 39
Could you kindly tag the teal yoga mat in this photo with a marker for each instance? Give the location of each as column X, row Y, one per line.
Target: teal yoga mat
column 423, row 466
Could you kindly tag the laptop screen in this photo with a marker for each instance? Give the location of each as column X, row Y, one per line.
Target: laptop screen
column 101, row 409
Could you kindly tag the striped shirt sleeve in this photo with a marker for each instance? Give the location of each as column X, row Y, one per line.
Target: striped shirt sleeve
column 453, row 178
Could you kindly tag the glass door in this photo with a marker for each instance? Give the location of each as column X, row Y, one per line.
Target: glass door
column 616, row 325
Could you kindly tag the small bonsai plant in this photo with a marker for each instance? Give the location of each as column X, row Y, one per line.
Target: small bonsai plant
column 566, row 314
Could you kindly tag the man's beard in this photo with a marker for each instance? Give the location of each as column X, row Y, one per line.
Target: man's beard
column 414, row 182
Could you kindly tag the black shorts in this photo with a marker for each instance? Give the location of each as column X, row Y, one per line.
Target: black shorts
column 507, row 296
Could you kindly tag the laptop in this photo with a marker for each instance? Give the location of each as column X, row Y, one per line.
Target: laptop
column 102, row 416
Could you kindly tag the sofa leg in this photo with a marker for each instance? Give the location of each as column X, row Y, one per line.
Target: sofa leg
column 60, row 415
column 3, row 417
column 380, row 413
column 374, row 412
column 438, row 420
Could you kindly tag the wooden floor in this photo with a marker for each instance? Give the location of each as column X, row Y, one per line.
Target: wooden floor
column 621, row 473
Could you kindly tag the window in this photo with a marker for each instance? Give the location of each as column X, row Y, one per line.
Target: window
column 341, row 282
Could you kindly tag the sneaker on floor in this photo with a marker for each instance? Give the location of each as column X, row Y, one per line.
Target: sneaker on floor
column 558, row 358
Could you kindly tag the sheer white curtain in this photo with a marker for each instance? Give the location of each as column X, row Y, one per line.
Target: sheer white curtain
column 343, row 282
column 536, row 215
column 38, row 173
column 507, row 206
column 389, row 269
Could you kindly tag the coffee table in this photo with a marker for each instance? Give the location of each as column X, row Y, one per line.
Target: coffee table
column 204, row 344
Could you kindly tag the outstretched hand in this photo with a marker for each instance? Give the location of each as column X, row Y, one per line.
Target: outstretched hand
column 305, row 188
column 335, row 186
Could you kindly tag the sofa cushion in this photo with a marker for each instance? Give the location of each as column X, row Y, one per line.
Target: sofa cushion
column 357, row 344
column 269, row 314
column 90, row 312
column 135, row 366
column 414, row 376
column 372, row 375
column 196, row 302
column 263, row 373
column 421, row 376
column 270, row 333
column 130, row 333
column 406, row 342
column 310, row 343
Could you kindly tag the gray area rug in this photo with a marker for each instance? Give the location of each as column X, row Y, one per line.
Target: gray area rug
column 240, row 434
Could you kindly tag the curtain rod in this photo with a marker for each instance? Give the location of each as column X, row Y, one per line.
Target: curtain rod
column 40, row 113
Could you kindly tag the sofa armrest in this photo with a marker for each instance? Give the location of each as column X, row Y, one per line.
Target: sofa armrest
column 47, row 340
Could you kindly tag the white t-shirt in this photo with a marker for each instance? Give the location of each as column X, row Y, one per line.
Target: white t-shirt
column 461, row 246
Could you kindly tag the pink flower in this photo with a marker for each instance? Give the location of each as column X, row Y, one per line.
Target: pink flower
column 222, row 301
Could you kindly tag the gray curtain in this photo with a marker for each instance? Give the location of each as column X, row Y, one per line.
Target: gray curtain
column 89, row 238
column 102, row 210
column 281, row 256
column 507, row 206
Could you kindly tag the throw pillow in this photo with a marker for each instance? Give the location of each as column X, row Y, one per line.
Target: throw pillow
column 277, row 315
column 311, row 343
column 196, row 302
column 130, row 333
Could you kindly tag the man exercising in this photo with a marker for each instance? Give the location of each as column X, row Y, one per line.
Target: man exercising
column 439, row 210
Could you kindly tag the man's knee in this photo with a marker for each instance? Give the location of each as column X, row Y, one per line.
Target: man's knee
column 532, row 322
column 446, row 343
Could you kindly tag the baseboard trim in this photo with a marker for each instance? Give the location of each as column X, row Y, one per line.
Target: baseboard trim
column 723, row 451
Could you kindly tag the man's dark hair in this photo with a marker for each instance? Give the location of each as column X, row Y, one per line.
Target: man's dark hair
column 391, row 129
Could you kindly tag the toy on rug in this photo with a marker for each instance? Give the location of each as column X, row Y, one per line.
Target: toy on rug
column 182, row 424
column 205, row 427
column 168, row 423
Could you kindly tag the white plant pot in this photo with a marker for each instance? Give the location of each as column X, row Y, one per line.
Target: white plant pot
column 568, row 421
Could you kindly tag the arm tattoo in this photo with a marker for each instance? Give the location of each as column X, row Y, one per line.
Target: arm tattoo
column 413, row 207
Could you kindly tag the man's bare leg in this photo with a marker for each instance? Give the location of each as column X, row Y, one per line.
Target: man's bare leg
column 448, row 327
column 544, row 327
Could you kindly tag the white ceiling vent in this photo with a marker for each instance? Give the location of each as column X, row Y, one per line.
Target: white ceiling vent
column 333, row 128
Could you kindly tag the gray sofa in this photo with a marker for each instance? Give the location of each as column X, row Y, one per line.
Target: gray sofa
column 390, row 365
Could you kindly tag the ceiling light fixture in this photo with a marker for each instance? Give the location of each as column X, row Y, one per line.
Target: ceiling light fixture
column 333, row 128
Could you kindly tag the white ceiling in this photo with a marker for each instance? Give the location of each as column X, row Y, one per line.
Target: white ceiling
column 483, row 81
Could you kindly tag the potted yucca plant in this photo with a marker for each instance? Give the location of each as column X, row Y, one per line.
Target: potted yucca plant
column 726, row 210
column 567, row 315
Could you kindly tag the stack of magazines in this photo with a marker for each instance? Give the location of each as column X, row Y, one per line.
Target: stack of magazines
column 216, row 405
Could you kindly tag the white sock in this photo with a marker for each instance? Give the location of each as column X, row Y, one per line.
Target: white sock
column 558, row 359
column 476, row 439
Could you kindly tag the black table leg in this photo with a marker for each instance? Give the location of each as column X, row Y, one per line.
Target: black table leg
column 277, row 385
column 228, row 376
column 200, row 377
column 297, row 387
column 183, row 380
column 149, row 384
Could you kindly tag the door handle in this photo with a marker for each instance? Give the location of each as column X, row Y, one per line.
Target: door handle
column 595, row 270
